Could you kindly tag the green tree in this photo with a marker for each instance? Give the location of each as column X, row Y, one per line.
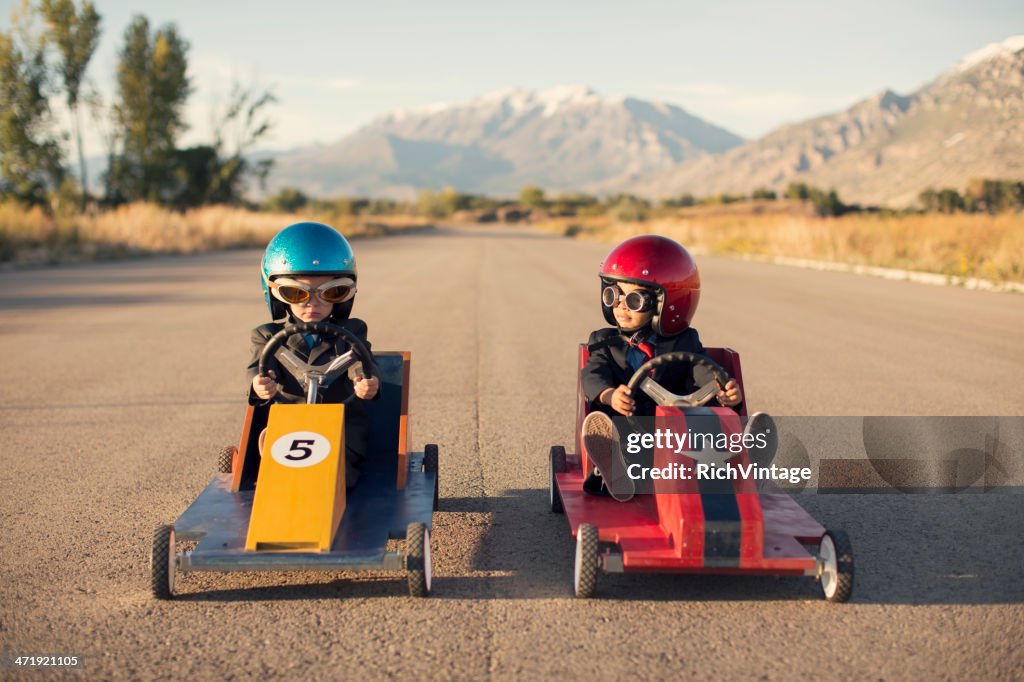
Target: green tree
column 289, row 200
column 532, row 196
column 431, row 204
column 949, row 201
column 76, row 36
column 628, row 208
column 929, row 200
column 153, row 86
column 798, row 190
column 219, row 173
column 244, row 124
column 826, row 204
column 682, row 201
column 994, row 196
column 763, row 193
column 31, row 164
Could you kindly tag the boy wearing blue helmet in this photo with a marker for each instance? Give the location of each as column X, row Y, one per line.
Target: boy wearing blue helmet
column 309, row 275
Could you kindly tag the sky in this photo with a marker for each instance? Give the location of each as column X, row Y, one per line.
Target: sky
column 743, row 65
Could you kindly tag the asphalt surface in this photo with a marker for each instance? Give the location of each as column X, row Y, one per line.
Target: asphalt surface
column 121, row 381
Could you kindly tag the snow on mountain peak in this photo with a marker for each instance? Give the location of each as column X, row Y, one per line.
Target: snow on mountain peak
column 989, row 52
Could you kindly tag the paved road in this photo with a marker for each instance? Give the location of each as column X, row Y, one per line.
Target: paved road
column 121, row 381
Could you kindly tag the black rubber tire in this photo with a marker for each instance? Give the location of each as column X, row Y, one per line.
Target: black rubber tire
column 585, row 569
column 556, row 465
column 225, row 458
column 161, row 563
column 430, row 465
column 844, row 566
column 417, row 559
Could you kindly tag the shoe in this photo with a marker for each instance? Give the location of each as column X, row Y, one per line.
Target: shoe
column 601, row 440
column 594, row 485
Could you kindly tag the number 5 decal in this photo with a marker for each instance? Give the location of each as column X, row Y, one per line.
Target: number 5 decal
column 300, row 446
column 300, row 449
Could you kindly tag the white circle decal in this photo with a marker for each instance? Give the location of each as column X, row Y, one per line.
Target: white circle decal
column 300, row 449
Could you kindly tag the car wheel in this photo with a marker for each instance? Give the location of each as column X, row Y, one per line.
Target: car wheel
column 835, row 553
column 162, row 563
column 417, row 559
column 585, row 573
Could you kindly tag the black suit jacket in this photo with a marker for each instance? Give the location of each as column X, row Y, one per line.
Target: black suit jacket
column 356, row 420
column 607, row 367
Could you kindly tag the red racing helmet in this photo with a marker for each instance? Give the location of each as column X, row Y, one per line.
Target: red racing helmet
column 665, row 267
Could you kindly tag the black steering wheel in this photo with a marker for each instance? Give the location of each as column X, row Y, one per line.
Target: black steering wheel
column 312, row 377
column 662, row 396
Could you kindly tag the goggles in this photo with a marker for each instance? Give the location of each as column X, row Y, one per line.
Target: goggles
column 637, row 301
column 292, row 292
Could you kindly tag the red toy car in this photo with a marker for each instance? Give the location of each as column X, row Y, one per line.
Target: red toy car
column 692, row 526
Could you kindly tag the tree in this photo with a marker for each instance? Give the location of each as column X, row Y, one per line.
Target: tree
column 532, row 196
column 218, row 173
column 798, row 190
column 243, row 125
column 31, row 164
column 75, row 36
column 994, row 196
column 628, row 208
column 764, row 193
column 929, row 199
column 153, row 86
column 289, row 200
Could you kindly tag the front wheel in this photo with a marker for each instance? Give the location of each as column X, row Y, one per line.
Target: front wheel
column 585, row 573
column 162, row 563
column 417, row 559
column 835, row 555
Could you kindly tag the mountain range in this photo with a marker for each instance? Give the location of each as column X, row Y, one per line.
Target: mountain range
column 883, row 150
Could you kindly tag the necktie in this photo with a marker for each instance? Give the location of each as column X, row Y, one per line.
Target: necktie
column 647, row 350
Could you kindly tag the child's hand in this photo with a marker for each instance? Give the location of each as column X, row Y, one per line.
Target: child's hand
column 366, row 388
column 620, row 401
column 265, row 388
column 731, row 395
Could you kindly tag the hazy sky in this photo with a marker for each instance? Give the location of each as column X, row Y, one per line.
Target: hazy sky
column 747, row 66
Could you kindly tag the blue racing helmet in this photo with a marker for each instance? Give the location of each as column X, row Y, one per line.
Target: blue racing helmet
column 310, row 249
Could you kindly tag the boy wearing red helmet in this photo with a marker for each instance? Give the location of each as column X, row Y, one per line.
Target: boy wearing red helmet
column 650, row 288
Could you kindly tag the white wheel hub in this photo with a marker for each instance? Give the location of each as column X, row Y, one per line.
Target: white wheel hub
column 578, row 569
column 172, row 562
column 828, row 566
column 426, row 558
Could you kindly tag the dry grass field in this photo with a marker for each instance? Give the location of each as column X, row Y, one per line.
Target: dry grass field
column 960, row 245
column 30, row 237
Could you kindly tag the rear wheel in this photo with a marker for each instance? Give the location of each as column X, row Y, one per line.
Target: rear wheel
column 430, row 466
column 585, row 573
column 417, row 559
column 556, row 465
column 225, row 458
column 162, row 563
column 836, row 556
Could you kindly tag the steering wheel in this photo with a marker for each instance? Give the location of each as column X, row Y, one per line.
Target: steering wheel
column 312, row 377
column 662, row 396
